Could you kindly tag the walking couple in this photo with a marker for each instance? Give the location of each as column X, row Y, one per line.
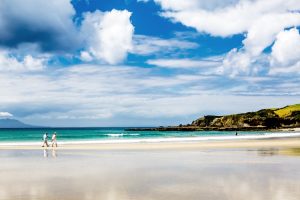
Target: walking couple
column 53, row 140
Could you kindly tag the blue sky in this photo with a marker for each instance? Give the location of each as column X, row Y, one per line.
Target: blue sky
column 145, row 62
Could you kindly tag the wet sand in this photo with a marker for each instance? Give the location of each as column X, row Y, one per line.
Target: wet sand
column 288, row 142
column 264, row 169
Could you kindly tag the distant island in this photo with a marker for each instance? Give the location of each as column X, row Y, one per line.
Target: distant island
column 265, row 119
column 13, row 123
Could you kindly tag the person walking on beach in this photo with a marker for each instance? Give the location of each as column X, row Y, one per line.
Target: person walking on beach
column 53, row 140
column 45, row 140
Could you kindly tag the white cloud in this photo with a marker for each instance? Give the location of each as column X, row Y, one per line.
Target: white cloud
column 286, row 49
column 108, row 35
column 184, row 63
column 293, row 69
column 90, row 92
column 177, row 5
column 146, row 45
column 82, row 92
column 5, row 115
column 33, row 64
column 225, row 18
column 28, row 63
column 105, row 36
column 235, row 63
column 259, row 20
column 108, row 92
column 85, row 56
column 285, row 55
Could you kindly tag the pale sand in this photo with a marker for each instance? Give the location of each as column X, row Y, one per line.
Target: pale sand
column 228, row 170
column 190, row 171
column 290, row 129
column 293, row 142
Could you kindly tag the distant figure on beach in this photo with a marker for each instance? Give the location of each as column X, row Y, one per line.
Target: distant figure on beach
column 45, row 140
column 53, row 140
column 236, row 133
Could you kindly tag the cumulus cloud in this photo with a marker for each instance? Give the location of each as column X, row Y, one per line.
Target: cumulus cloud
column 108, row 35
column 86, row 56
column 46, row 23
column 99, row 91
column 285, row 55
column 226, row 18
column 5, row 115
column 286, row 49
column 236, row 62
column 105, row 36
column 28, row 63
column 259, row 20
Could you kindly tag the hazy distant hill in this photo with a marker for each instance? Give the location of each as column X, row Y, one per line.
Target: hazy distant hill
column 13, row 123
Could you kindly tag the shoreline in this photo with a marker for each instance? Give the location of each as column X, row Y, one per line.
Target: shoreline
column 279, row 140
column 221, row 129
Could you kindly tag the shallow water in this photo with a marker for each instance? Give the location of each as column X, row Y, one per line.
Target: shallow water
column 92, row 134
column 149, row 174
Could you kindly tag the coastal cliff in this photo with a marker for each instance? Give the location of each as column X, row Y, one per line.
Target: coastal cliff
column 265, row 119
column 287, row 117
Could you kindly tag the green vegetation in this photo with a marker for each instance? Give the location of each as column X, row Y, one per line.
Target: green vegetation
column 265, row 119
column 288, row 110
column 286, row 117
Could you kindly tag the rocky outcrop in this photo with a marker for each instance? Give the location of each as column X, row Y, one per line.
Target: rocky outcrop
column 262, row 119
column 266, row 119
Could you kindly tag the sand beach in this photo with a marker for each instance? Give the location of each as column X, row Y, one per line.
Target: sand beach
column 233, row 169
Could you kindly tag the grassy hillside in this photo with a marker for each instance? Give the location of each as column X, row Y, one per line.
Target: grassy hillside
column 287, row 111
column 288, row 116
column 265, row 119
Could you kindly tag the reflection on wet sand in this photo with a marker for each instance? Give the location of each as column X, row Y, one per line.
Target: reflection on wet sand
column 54, row 155
column 268, row 152
column 160, row 174
column 276, row 151
column 291, row 151
column 46, row 153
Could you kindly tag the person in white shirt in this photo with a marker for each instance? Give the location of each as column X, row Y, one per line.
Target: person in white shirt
column 45, row 140
column 54, row 142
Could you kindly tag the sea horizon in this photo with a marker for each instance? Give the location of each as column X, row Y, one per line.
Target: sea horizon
column 85, row 135
column 149, row 99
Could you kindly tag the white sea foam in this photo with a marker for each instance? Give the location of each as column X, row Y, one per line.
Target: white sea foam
column 159, row 140
column 115, row 134
column 121, row 134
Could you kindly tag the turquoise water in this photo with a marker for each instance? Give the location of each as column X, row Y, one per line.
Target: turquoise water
column 90, row 134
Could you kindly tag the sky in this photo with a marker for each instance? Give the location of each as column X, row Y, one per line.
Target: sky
column 145, row 62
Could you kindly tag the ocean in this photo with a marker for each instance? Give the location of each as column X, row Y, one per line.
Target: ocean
column 115, row 135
